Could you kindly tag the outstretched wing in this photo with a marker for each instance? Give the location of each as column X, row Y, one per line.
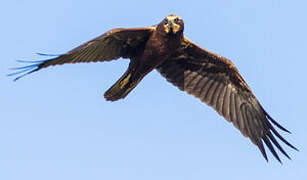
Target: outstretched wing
column 216, row 81
column 111, row 45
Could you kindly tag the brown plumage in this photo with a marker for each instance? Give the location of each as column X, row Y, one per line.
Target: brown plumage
column 211, row 78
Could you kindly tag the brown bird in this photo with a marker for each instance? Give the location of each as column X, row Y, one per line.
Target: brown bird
column 210, row 77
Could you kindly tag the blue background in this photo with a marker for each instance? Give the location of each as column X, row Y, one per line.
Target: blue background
column 55, row 124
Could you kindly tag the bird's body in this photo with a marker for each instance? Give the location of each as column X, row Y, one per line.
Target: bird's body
column 157, row 49
column 211, row 78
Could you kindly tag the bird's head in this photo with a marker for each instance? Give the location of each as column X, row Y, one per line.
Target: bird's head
column 172, row 24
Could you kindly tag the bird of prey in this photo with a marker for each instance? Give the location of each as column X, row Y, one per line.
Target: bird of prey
column 209, row 77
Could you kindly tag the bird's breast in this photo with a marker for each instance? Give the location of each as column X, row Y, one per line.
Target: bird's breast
column 158, row 48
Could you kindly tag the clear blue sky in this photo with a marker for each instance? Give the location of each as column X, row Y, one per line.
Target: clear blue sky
column 55, row 124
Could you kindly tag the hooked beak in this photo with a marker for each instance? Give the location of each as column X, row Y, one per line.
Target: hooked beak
column 171, row 26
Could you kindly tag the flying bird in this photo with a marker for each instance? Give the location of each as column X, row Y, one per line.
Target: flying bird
column 209, row 77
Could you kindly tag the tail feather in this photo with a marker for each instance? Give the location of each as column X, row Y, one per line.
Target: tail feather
column 121, row 88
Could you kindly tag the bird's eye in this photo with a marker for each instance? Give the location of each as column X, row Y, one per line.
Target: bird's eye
column 176, row 20
column 165, row 21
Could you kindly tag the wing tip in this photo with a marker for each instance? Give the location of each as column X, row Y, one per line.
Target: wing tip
column 274, row 122
column 34, row 66
column 268, row 137
column 26, row 70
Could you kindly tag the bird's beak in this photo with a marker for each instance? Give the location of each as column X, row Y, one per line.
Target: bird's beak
column 172, row 27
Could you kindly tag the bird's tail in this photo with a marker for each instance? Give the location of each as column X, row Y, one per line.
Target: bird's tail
column 122, row 87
